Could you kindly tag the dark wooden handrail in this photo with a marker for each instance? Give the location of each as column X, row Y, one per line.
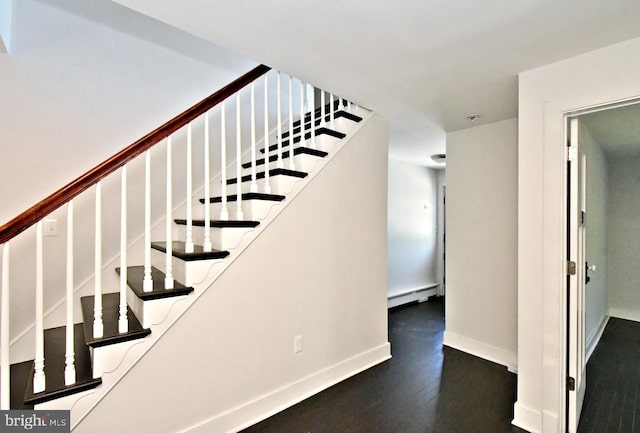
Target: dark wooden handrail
column 40, row 210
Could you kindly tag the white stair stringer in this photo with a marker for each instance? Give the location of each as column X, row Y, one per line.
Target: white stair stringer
column 169, row 312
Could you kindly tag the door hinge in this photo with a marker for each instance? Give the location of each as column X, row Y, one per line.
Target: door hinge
column 571, row 383
column 583, row 217
column 572, row 153
column 571, row 267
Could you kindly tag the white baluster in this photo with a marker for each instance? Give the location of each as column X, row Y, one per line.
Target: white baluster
column 267, row 184
column 123, row 323
column 188, row 243
column 292, row 163
column 323, row 108
column 224, row 212
column 279, row 116
column 254, row 184
column 69, row 356
column 168, row 274
column 348, row 105
column 206, row 244
column 98, row 326
column 303, row 102
column 39, row 380
column 312, row 102
column 5, row 377
column 239, row 213
column 332, row 110
column 147, row 281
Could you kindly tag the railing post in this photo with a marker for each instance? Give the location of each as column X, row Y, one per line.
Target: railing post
column 239, row 213
column 312, row 102
column 168, row 275
column 188, row 243
column 147, row 281
column 332, row 110
column 206, row 244
column 224, row 212
column 292, row 162
column 303, row 102
column 69, row 356
column 123, row 323
column 267, row 184
column 98, row 326
column 5, row 363
column 279, row 117
column 254, row 183
column 323, row 108
column 39, row 380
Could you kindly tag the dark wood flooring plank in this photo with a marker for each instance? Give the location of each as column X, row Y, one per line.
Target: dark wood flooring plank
column 613, row 381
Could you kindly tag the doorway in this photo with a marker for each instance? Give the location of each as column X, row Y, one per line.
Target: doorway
column 603, row 286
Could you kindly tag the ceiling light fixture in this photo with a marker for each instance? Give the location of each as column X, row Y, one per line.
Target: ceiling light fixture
column 473, row 117
column 439, row 158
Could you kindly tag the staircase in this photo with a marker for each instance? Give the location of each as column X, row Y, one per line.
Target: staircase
column 200, row 239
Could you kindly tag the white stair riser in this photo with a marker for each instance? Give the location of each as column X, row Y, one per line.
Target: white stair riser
column 303, row 162
column 107, row 358
column 185, row 272
column 280, row 184
column 253, row 210
column 151, row 312
column 221, row 238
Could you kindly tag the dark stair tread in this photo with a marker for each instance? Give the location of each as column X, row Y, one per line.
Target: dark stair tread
column 221, row 223
column 178, row 250
column 135, row 275
column 307, row 135
column 110, row 315
column 318, row 121
column 247, row 196
column 272, row 172
column 286, row 154
column 54, row 348
column 19, row 379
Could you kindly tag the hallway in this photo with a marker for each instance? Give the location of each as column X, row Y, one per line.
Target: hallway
column 422, row 389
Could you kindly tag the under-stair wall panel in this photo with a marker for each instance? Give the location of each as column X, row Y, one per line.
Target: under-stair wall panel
column 317, row 271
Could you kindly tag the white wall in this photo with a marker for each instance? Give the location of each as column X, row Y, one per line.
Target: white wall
column 5, row 25
column 75, row 91
column 440, row 261
column 319, row 270
column 481, row 226
column 412, row 227
column 596, row 229
column 624, row 238
column 545, row 95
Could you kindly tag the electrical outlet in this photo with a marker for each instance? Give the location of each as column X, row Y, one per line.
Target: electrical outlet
column 50, row 227
column 297, row 344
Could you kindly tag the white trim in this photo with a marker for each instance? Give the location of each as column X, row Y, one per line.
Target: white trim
column 622, row 313
column 411, row 295
column 269, row 404
column 594, row 338
column 526, row 418
column 483, row 350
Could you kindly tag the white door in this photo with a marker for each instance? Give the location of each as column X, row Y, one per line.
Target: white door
column 576, row 230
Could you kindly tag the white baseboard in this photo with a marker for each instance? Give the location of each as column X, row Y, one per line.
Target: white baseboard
column 412, row 295
column 622, row 313
column 486, row 351
column 594, row 338
column 269, row 404
column 527, row 419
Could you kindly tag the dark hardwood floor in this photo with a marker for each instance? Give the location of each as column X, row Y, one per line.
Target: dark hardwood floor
column 423, row 388
column 612, row 400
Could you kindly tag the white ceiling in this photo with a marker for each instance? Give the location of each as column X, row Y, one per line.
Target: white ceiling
column 423, row 64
